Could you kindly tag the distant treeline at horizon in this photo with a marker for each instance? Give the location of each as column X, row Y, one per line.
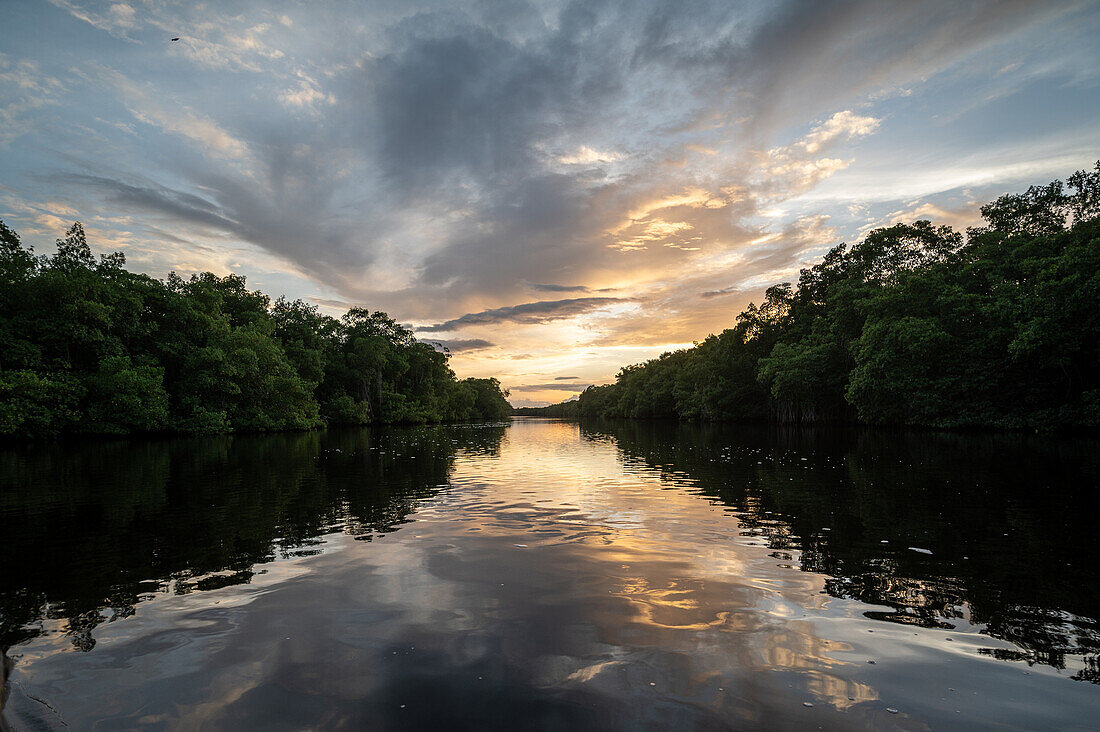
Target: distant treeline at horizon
column 915, row 325
column 87, row 346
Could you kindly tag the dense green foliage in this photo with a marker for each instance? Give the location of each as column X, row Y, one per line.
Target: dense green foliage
column 914, row 325
column 87, row 346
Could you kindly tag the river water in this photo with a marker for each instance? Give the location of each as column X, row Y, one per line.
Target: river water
column 549, row 575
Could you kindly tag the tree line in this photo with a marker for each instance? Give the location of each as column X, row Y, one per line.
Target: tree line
column 914, row 325
column 569, row 409
column 87, row 346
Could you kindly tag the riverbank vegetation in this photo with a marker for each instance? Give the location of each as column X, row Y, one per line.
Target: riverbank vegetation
column 569, row 409
column 87, row 346
column 915, row 325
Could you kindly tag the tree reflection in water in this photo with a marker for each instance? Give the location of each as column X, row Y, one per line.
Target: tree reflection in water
column 92, row 530
column 1009, row 520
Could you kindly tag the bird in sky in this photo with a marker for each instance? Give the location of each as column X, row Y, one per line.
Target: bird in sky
column 175, row 39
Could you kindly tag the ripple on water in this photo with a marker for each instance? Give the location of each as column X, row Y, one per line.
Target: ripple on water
column 545, row 573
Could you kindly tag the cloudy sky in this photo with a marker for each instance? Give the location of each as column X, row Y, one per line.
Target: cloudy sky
column 551, row 189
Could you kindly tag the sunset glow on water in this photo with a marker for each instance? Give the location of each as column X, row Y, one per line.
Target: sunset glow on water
column 546, row 574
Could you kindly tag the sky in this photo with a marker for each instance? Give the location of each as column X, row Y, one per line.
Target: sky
column 549, row 190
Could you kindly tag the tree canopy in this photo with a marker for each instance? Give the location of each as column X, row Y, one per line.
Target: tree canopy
column 87, row 346
column 914, row 325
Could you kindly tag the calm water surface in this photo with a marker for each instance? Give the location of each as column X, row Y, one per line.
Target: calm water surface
column 545, row 575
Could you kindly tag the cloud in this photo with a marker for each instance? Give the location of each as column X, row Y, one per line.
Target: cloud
column 460, row 345
column 657, row 230
column 688, row 305
column 452, row 138
column 528, row 402
column 244, row 212
column 558, row 386
column 208, row 135
column 459, row 100
column 585, row 155
column 844, row 125
column 555, row 288
column 306, row 95
column 222, row 42
column 809, row 52
column 156, row 198
column 691, row 197
column 117, row 20
column 442, row 161
column 791, row 169
column 566, row 378
column 24, row 88
column 330, row 302
column 25, row 75
column 527, row 313
column 174, row 118
column 733, row 289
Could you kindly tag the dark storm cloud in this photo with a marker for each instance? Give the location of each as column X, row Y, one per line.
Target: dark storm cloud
column 460, row 345
column 526, row 313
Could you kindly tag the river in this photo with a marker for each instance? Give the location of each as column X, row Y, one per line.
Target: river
column 547, row 575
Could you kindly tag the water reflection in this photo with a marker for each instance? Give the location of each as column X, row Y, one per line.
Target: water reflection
column 1006, row 523
column 93, row 530
column 546, row 575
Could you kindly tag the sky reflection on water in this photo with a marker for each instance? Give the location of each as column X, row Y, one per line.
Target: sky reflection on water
column 546, row 575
